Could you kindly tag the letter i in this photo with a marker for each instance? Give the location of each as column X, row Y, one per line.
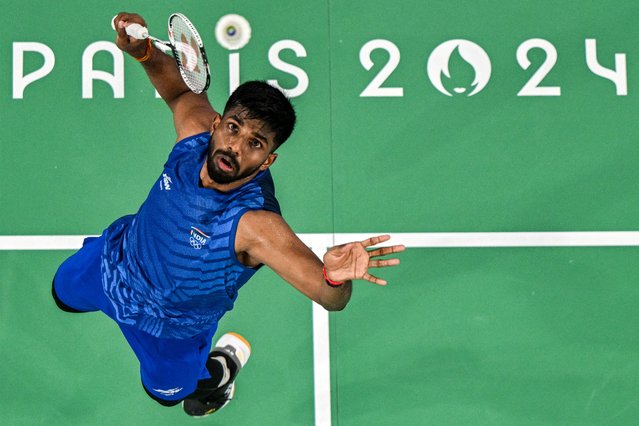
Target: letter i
column 234, row 71
column 233, row 32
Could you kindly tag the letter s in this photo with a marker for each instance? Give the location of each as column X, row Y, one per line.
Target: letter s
column 274, row 59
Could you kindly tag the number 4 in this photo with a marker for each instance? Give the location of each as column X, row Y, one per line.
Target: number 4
column 617, row 76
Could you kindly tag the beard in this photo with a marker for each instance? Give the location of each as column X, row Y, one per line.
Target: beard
column 228, row 158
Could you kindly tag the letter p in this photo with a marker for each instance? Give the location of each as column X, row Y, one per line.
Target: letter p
column 21, row 81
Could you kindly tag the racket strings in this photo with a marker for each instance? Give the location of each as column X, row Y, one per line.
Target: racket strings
column 189, row 54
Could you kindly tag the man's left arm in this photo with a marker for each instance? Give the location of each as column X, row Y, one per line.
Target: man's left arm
column 264, row 237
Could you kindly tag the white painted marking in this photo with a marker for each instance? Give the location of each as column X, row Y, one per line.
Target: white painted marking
column 321, row 342
column 504, row 239
column 321, row 366
column 41, row 242
column 415, row 239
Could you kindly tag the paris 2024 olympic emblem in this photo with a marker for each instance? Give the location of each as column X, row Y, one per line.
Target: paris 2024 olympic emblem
column 439, row 64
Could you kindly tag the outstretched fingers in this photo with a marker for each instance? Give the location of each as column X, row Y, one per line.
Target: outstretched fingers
column 382, row 263
column 373, row 279
column 361, row 256
column 383, row 251
column 375, row 240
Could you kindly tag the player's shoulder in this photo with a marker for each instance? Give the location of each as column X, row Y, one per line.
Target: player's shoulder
column 256, row 194
column 256, row 225
column 262, row 234
column 259, row 217
column 193, row 114
column 188, row 150
column 195, row 139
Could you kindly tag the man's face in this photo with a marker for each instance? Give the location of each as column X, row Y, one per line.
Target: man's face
column 240, row 147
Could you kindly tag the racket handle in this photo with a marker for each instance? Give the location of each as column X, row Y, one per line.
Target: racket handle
column 137, row 31
column 134, row 30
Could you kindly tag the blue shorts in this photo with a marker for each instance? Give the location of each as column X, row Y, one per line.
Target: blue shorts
column 169, row 368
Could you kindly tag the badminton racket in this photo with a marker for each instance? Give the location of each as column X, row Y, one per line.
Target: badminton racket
column 186, row 45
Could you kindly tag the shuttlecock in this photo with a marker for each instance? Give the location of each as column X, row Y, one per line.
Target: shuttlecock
column 233, row 32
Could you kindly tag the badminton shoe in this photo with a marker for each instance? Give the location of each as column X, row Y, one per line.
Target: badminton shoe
column 229, row 355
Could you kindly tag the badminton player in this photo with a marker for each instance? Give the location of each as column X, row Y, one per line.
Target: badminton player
column 167, row 274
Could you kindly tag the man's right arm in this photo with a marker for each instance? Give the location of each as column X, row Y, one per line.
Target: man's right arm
column 192, row 113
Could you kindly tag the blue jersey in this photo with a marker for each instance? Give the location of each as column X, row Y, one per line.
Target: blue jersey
column 171, row 269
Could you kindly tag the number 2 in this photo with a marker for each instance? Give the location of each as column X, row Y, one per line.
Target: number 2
column 374, row 88
column 532, row 88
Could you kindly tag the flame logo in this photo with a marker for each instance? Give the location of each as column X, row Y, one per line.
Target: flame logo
column 470, row 52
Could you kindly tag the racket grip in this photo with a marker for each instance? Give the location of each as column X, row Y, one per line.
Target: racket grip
column 137, row 31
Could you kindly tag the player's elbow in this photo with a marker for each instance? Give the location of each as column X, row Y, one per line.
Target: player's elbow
column 337, row 302
column 335, row 307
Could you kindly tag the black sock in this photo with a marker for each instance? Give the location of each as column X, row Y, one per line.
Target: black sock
column 218, row 371
column 219, row 377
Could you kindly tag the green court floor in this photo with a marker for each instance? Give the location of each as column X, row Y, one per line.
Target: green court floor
column 461, row 336
column 514, row 336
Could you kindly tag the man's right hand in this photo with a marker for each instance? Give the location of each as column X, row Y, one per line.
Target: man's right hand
column 126, row 43
column 192, row 113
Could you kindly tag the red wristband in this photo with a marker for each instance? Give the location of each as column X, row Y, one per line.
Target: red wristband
column 330, row 281
column 147, row 52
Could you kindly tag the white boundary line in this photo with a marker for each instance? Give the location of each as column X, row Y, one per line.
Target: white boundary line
column 321, row 342
column 506, row 239
column 319, row 243
column 416, row 239
column 41, row 242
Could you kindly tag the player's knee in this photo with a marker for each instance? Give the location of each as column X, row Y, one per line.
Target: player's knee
column 161, row 401
column 59, row 303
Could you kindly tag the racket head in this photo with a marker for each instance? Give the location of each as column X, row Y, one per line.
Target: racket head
column 189, row 53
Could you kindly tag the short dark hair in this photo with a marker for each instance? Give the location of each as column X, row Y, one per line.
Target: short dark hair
column 261, row 101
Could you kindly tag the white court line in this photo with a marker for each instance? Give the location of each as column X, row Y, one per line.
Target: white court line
column 505, row 239
column 410, row 239
column 321, row 341
column 319, row 243
column 41, row 242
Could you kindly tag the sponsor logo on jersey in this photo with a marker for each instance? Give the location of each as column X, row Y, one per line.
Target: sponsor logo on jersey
column 165, row 182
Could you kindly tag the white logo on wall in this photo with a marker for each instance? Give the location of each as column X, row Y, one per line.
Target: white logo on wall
column 232, row 31
column 459, row 51
column 446, row 63
column 471, row 53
